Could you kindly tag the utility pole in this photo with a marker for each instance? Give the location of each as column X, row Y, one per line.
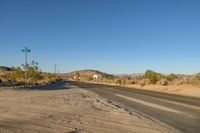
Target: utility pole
column 26, row 51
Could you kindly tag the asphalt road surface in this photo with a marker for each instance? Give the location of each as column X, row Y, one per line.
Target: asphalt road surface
column 180, row 112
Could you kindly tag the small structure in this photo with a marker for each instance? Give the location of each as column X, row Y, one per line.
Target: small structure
column 96, row 77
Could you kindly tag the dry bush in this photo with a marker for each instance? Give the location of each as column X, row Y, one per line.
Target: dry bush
column 152, row 76
column 16, row 76
column 195, row 79
column 163, row 82
column 144, row 82
column 172, row 77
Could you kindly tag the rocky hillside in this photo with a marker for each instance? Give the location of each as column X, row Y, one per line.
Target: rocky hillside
column 87, row 73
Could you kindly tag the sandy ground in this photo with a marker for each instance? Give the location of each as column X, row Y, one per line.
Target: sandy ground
column 186, row 90
column 62, row 111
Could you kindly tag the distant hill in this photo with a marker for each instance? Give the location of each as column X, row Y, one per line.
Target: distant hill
column 83, row 73
column 4, row 68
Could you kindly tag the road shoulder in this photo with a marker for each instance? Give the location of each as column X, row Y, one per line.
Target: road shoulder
column 66, row 110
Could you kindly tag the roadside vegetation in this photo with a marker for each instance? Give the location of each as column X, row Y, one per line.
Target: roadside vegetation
column 148, row 78
column 16, row 75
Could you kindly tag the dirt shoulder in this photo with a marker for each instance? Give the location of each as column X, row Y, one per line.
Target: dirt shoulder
column 185, row 90
column 61, row 111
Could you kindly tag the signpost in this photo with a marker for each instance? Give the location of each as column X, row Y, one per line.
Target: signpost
column 26, row 51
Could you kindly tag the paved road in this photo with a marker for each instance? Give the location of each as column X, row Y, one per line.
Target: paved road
column 180, row 112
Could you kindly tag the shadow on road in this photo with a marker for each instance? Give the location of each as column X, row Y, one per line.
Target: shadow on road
column 59, row 85
column 76, row 131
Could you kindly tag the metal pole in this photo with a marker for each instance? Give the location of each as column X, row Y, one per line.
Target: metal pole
column 25, row 67
column 26, row 50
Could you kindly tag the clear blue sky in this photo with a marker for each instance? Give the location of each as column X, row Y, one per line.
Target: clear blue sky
column 115, row 36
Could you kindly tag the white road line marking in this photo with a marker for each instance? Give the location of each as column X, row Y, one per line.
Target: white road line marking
column 150, row 104
column 181, row 104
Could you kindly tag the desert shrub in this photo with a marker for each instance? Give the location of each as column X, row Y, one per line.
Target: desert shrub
column 144, row 82
column 163, row 82
column 178, row 81
column 126, row 80
column 197, row 76
column 132, row 82
column 195, row 79
column 15, row 74
column 127, row 77
column 138, row 78
column 172, row 77
column 34, row 74
column 152, row 76
column 119, row 81
column 109, row 77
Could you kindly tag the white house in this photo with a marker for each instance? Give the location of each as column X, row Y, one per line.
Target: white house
column 96, row 77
